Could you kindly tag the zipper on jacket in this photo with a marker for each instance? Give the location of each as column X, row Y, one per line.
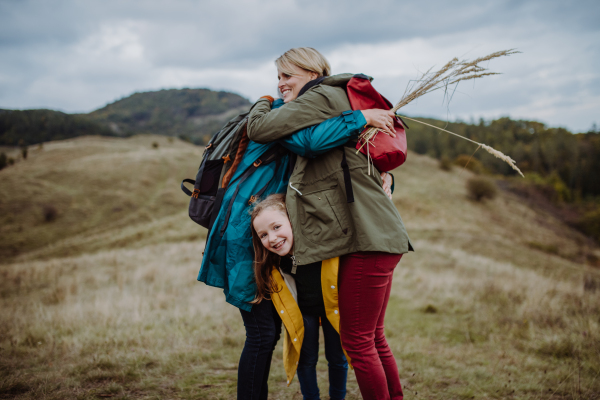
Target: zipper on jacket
column 294, row 265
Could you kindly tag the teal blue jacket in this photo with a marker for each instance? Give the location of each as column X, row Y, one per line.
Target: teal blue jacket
column 228, row 258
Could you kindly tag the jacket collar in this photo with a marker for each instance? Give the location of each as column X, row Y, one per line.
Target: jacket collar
column 310, row 84
column 333, row 80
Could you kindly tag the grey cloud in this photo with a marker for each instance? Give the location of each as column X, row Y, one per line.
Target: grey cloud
column 43, row 64
column 209, row 33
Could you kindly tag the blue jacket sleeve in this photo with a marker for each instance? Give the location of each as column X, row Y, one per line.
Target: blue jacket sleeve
column 329, row 134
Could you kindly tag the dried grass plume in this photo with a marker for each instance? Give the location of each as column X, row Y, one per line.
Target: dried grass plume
column 451, row 73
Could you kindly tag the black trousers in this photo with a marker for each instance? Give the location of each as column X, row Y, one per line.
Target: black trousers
column 263, row 329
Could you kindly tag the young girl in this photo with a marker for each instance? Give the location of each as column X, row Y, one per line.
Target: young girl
column 302, row 295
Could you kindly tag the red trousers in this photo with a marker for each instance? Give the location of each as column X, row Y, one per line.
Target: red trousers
column 365, row 282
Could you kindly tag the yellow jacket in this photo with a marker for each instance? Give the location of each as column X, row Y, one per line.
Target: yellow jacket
column 285, row 301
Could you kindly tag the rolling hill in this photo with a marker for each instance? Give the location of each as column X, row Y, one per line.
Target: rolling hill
column 193, row 114
column 500, row 299
column 92, row 192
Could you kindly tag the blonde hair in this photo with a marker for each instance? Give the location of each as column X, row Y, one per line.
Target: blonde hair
column 264, row 260
column 306, row 58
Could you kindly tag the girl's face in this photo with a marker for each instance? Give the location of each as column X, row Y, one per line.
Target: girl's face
column 290, row 85
column 274, row 231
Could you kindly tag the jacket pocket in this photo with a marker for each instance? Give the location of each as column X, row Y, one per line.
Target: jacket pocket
column 324, row 216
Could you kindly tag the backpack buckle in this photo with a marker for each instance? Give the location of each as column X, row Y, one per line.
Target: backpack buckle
column 257, row 163
column 196, row 193
column 252, row 200
column 208, row 146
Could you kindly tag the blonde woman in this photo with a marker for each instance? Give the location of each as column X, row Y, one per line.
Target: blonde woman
column 337, row 209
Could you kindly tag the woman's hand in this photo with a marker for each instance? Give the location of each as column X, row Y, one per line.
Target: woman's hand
column 387, row 184
column 381, row 119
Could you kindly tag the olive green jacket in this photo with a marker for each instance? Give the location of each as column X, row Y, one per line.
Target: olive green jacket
column 324, row 224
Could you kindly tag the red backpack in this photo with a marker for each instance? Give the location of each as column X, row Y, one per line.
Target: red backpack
column 387, row 152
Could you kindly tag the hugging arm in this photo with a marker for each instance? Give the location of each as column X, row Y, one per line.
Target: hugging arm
column 316, row 106
column 313, row 107
column 318, row 139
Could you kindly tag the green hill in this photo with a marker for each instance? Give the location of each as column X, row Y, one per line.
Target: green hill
column 193, row 113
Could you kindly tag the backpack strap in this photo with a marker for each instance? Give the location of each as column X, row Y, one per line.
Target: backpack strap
column 186, row 190
column 216, row 207
column 273, row 154
column 347, row 177
column 243, row 145
column 208, row 149
column 261, row 191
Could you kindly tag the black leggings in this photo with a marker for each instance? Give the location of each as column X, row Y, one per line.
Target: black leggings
column 263, row 329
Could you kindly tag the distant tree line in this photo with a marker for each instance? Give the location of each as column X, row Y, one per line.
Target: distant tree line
column 554, row 154
column 27, row 127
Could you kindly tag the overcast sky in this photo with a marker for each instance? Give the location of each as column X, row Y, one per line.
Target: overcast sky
column 79, row 55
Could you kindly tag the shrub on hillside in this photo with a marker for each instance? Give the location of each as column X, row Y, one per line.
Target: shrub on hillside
column 155, row 145
column 559, row 187
column 470, row 163
column 590, row 224
column 445, row 164
column 591, row 283
column 552, row 187
column 481, row 188
column 50, row 213
column 546, row 248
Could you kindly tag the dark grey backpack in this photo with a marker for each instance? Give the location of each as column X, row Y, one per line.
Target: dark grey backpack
column 220, row 160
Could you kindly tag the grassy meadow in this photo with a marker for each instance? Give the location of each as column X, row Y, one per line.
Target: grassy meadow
column 100, row 300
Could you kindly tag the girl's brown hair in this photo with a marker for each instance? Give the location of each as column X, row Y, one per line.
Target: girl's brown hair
column 265, row 260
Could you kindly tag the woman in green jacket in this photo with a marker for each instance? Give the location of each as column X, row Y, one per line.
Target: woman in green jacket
column 364, row 229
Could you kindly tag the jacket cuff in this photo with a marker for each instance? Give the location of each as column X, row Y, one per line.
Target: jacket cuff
column 242, row 305
column 355, row 119
column 269, row 98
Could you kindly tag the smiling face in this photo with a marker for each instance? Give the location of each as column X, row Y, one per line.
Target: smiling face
column 274, row 231
column 291, row 84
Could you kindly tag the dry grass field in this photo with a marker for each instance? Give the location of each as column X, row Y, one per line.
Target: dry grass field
column 89, row 193
column 101, row 301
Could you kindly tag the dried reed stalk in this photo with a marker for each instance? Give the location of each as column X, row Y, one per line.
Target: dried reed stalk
column 487, row 148
column 453, row 72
